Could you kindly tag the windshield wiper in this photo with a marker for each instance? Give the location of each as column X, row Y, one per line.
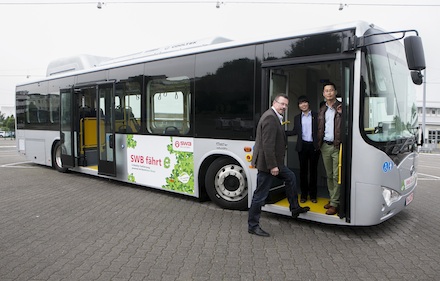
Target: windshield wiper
column 401, row 145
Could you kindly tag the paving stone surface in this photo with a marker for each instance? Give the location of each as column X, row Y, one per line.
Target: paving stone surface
column 56, row 226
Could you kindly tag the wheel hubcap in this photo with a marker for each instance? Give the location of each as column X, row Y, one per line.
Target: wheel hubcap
column 58, row 157
column 231, row 183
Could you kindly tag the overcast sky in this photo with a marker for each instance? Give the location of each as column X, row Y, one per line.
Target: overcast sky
column 33, row 33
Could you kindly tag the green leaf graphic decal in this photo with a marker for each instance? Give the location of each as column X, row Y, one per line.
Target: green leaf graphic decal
column 131, row 178
column 182, row 175
column 131, row 143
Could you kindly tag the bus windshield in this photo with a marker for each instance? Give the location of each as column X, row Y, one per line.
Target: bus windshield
column 390, row 111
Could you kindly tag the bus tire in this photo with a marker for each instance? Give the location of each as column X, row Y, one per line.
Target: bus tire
column 57, row 163
column 226, row 184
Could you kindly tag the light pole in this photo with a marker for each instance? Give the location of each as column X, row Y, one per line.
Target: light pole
column 424, row 108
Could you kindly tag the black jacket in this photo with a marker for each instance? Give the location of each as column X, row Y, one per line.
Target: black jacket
column 297, row 130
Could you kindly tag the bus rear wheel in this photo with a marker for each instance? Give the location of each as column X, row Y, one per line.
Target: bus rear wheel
column 226, row 184
column 57, row 163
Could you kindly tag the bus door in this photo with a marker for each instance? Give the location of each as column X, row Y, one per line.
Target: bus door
column 278, row 84
column 106, row 129
column 300, row 78
column 86, row 125
column 67, row 128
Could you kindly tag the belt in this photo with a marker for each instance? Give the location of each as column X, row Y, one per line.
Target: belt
column 328, row 142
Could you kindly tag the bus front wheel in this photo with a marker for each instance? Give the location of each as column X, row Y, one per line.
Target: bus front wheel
column 226, row 184
column 57, row 163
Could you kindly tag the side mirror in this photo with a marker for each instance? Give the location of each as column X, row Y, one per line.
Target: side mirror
column 415, row 55
column 417, row 77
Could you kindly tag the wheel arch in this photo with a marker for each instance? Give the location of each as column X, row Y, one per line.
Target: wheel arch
column 55, row 144
column 207, row 161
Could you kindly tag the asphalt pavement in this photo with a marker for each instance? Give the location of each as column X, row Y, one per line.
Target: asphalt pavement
column 70, row 226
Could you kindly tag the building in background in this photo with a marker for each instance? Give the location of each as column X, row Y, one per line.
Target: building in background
column 431, row 134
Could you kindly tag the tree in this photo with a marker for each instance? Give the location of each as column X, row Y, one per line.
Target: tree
column 10, row 123
column 2, row 118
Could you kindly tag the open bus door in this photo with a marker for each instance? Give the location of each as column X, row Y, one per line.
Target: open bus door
column 106, row 130
column 296, row 79
column 66, row 128
column 278, row 84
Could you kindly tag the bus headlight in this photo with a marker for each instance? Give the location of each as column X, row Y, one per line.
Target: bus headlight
column 390, row 196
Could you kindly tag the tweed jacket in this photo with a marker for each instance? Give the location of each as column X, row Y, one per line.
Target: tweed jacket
column 270, row 142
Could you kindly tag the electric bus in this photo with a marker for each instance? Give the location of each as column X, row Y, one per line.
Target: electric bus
column 182, row 118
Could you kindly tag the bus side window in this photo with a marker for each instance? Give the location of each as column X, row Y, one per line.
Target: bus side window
column 32, row 113
column 168, row 104
column 54, row 108
column 128, row 106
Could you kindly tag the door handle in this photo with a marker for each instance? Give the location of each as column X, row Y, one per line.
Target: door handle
column 111, row 141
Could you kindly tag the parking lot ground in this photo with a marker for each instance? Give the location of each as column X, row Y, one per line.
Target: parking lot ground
column 57, row 226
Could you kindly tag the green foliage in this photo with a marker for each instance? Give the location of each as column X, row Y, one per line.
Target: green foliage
column 8, row 123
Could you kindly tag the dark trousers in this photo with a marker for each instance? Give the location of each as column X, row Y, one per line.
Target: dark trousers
column 308, row 165
column 264, row 183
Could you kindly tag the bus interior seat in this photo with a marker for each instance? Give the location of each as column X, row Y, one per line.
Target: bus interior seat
column 171, row 131
column 129, row 116
column 118, row 114
column 125, row 129
column 86, row 112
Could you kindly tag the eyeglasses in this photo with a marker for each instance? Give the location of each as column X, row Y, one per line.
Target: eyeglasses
column 282, row 103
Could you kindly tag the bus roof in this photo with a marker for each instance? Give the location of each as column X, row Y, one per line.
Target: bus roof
column 167, row 49
column 87, row 63
column 73, row 63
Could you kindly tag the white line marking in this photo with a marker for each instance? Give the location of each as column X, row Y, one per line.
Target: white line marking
column 16, row 165
column 426, row 175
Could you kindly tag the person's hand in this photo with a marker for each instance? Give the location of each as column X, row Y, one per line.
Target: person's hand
column 275, row 171
column 339, row 109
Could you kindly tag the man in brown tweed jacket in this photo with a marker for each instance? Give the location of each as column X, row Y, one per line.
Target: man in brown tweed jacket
column 268, row 158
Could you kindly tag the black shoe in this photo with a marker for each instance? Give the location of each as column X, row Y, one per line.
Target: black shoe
column 299, row 210
column 303, row 200
column 258, row 231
